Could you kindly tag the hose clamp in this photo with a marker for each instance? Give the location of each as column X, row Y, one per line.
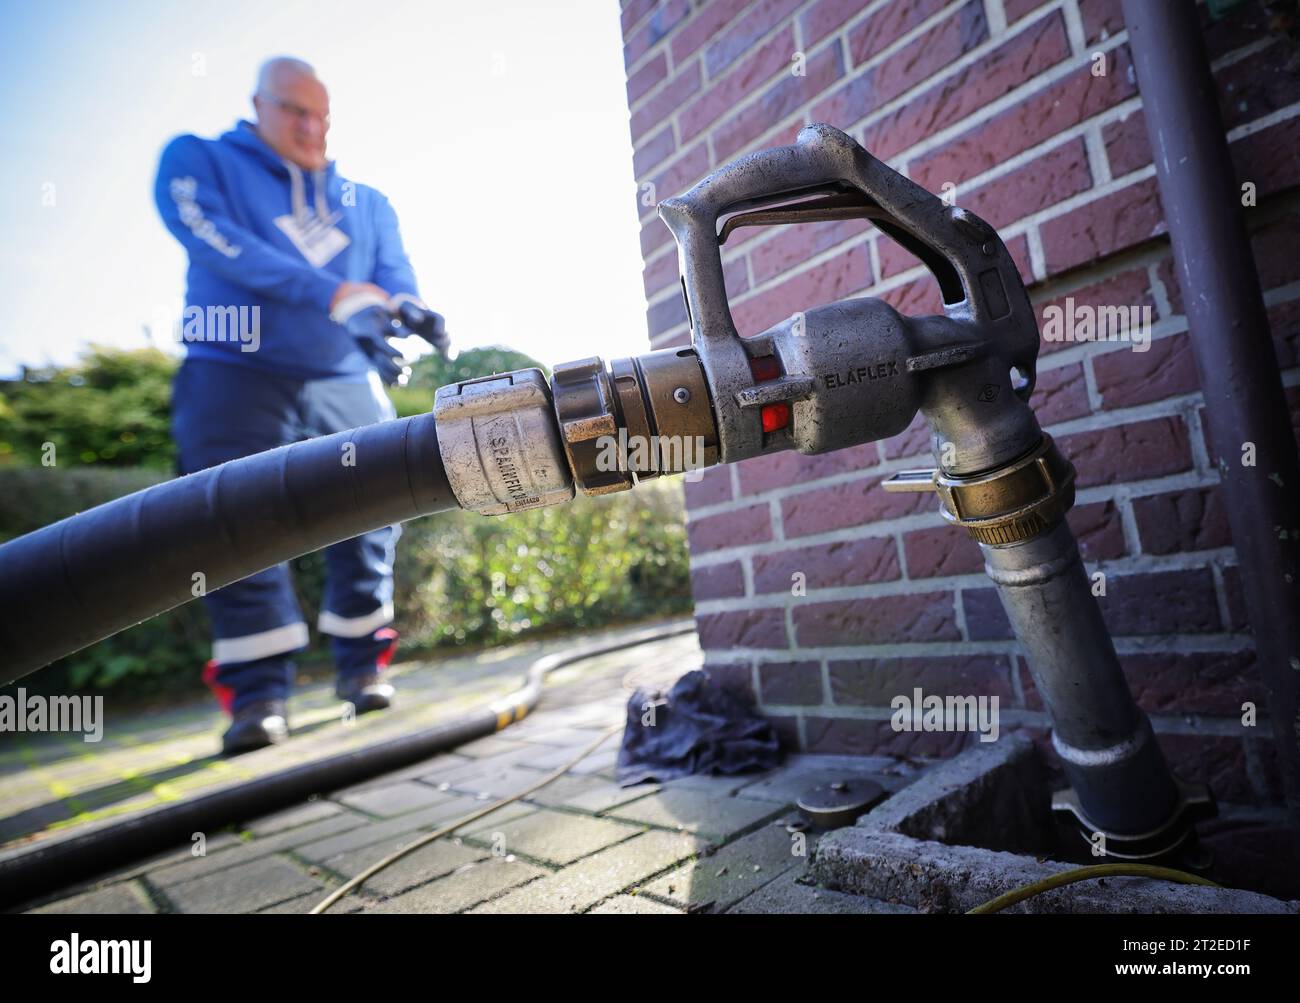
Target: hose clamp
column 1008, row 505
column 500, row 445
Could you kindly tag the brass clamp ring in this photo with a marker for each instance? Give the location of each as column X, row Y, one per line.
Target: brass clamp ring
column 1007, row 505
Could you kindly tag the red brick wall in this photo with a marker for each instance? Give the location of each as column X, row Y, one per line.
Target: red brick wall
column 999, row 98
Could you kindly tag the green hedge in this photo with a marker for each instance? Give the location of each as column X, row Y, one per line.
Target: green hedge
column 462, row 579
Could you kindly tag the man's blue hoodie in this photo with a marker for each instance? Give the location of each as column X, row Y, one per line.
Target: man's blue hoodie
column 261, row 231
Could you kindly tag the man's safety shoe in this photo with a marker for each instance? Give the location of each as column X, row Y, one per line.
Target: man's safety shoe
column 365, row 693
column 256, row 726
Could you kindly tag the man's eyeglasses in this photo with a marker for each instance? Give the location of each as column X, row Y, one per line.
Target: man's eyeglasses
column 296, row 110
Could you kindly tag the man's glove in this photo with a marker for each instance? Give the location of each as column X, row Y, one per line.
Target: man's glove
column 368, row 321
column 418, row 319
column 389, row 361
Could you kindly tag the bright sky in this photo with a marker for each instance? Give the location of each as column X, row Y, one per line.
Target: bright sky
column 498, row 130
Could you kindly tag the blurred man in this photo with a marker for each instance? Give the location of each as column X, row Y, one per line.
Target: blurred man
column 294, row 280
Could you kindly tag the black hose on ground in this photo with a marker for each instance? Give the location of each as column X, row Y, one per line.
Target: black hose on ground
column 43, row 867
column 87, row 577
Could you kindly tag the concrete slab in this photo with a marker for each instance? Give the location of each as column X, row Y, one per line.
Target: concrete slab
column 994, row 794
column 934, row 877
column 929, row 847
column 789, row 894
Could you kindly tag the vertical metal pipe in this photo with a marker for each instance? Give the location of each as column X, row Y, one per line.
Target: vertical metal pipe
column 1105, row 742
column 1235, row 360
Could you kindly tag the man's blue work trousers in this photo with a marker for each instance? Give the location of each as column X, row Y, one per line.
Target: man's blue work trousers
column 221, row 412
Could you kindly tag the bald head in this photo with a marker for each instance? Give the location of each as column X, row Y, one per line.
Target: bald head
column 293, row 109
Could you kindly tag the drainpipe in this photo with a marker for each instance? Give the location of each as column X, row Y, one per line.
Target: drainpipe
column 1235, row 361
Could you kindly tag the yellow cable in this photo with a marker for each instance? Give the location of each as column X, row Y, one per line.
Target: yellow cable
column 1083, row 874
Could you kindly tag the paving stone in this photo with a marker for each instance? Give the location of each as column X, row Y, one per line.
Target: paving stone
column 304, row 904
column 727, row 876
column 600, row 761
column 450, row 774
column 598, row 714
column 573, row 739
column 322, row 850
column 496, row 819
column 440, row 857
column 311, row 811
column 113, row 900
column 466, row 887
column 623, row 904
column 244, row 888
column 550, row 720
column 495, row 784
column 490, row 747
column 441, row 762
column 216, row 843
column 719, row 786
column 563, row 789
column 788, row 895
column 601, row 794
column 195, row 867
column 717, row 819
column 608, row 872
column 396, row 799
column 556, row 837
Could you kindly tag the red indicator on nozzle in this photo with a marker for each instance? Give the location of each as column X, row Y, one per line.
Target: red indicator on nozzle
column 764, row 368
column 775, row 416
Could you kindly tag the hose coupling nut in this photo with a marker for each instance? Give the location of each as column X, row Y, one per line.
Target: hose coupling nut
column 585, row 407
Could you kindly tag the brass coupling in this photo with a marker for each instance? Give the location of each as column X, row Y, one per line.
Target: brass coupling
column 1007, row 505
column 643, row 417
column 585, row 407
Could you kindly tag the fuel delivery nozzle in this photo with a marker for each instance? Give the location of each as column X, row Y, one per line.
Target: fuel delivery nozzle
column 836, row 376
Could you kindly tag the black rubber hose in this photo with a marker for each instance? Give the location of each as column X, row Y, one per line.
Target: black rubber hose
column 89, row 576
column 41, row 868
